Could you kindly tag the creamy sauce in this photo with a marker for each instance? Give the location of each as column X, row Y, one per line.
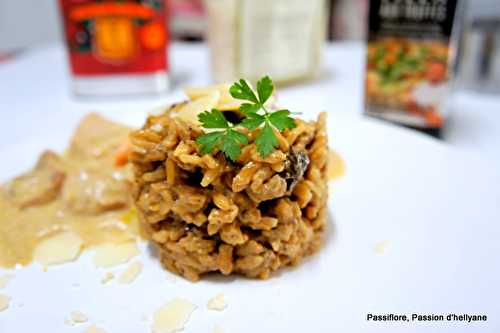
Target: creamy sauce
column 97, row 209
column 22, row 231
column 336, row 165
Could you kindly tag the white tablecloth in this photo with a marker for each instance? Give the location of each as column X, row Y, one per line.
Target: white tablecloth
column 36, row 99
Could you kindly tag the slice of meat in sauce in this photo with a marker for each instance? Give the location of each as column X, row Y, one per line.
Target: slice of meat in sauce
column 93, row 185
column 60, row 197
column 96, row 140
column 90, row 192
column 38, row 186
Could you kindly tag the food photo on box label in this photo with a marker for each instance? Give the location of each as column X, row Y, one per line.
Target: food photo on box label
column 408, row 62
column 249, row 165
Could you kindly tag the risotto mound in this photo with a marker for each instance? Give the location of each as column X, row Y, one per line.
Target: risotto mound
column 206, row 213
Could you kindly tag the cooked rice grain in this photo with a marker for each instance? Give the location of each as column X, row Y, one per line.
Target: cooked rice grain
column 208, row 214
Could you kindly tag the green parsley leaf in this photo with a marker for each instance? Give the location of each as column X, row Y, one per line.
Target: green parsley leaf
column 237, row 136
column 231, row 144
column 281, row 120
column 231, row 149
column 213, row 119
column 252, row 121
column 247, row 108
column 228, row 139
column 266, row 141
column 208, row 141
column 241, row 90
column 265, row 89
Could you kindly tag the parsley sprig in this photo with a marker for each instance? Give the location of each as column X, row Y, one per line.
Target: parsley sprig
column 256, row 115
column 227, row 139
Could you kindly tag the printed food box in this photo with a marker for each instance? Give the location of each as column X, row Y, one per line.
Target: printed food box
column 408, row 61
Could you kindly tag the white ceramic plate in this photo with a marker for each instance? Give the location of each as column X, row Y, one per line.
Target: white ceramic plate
column 437, row 210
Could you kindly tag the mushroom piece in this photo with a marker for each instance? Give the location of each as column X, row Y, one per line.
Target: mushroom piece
column 295, row 167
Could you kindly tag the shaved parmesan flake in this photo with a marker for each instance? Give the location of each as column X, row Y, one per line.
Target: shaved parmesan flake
column 131, row 273
column 110, row 255
column 217, row 303
column 4, row 280
column 94, row 329
column 381, row 247
column 58, row 249
column 190, row 111
column 79, row 317
column 4, row 302
column 172, row 316
column 107, row 277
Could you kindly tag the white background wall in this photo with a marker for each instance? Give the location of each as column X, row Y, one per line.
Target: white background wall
column 28, row 22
